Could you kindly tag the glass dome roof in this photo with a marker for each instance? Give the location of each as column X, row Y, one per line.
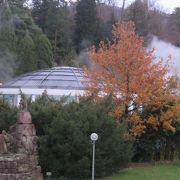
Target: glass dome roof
column 54, row 78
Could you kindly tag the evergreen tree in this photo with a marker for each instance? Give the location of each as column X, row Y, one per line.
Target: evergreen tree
column 7, row 44
column 7, row 115
column 18, row 34
column 26, row 30
column 87, row 30
column 43, row 52
column 26, row 57
column 138, row 13
column 18, row 3
column 7, row 33
column 52, row 17
column 64, row 131
column 40, row 12
column 176, row 17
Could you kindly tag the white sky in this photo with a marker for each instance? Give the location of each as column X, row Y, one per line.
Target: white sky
column 169, row 5
column 164, row 5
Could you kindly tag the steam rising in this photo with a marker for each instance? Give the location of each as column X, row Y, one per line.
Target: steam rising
column 164, row 49
column 7, row 58
column 7, row 65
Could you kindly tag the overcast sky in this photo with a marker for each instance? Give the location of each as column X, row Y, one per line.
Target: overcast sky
column 164, row 49
column 165, row 5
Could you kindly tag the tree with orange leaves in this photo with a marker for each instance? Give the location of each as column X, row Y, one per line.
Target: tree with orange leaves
column 129, row 72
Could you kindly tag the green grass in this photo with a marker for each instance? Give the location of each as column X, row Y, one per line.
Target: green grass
column 154, row 172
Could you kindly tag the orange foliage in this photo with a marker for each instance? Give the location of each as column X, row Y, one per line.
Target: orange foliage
column 138, row 125
column 170, row 116
column 138, row 130
column 135, row 119
column 128, row 71
column 118, row 112
column 167, row 126
column 153, row 121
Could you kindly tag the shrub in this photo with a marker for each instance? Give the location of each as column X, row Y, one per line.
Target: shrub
column 65, row 147
column 43, row 110
column 8, row 115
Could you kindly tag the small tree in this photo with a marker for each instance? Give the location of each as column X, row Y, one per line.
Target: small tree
column 128, row 71
column 7, row 115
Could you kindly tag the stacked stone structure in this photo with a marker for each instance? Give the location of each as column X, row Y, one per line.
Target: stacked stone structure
column 18, row 150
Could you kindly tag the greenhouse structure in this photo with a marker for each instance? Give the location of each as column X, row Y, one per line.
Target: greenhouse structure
column 57, row 82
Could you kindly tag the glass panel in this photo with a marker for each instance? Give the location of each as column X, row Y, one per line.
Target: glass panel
column 65, row 84
column 33, row 83
column 61, row 78
column 9, row 99
column 19, row 83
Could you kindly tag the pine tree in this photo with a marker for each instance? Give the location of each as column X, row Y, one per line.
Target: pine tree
column 40, row 12
column 87, row 29
column 176, row 17
column 7, row 44
column 52, row 17
column 27, row 59
column 43, row 52
column 18, row 34
column 7, row 33
column 17, row 3
column 138, row 13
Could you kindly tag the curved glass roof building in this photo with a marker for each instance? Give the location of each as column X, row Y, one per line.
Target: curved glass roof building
column 57, row 81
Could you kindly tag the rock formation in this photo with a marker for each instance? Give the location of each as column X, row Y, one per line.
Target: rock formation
column 18, row 149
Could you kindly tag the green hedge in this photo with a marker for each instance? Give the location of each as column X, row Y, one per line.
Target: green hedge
column 65, row 146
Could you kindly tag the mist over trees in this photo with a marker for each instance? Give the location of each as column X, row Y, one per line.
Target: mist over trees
column 20, row 52
column 53, row 32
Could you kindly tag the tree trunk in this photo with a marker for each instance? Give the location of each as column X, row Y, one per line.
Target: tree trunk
column 122, row 10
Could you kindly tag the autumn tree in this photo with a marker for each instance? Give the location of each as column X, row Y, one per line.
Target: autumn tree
column 128, row 71
column 161, row 137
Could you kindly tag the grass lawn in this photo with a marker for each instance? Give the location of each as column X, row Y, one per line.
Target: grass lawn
column 154, row 172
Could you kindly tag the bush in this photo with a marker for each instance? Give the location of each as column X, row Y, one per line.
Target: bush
column 66, row 149
column 8, row 115
column 43, row 111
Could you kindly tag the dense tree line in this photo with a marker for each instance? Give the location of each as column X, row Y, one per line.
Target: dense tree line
column 54, row 32
column 23, row 45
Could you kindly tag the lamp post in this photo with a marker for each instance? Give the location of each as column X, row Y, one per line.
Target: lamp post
column 48, row 174
column 94, row 138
